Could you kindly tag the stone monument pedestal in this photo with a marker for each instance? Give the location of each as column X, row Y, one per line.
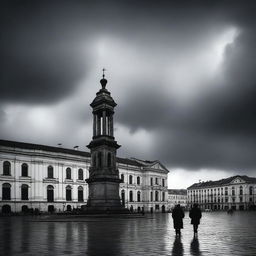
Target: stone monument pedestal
column 104, row 197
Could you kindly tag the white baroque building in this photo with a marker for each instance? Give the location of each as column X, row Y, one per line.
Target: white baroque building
column 53, row 178
column 236, row 192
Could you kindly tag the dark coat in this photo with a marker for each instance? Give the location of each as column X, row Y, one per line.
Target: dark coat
column 195, row 214
column 177, row 215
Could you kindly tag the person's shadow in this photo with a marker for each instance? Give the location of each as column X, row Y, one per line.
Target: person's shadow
column 195, row 247
column 177, row 248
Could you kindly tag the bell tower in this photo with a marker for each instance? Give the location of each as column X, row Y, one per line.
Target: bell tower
column 103, row 174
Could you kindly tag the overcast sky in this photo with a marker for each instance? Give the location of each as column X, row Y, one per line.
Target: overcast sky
column 182, row 73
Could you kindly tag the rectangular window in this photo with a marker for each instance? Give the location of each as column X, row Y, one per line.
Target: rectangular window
column 24, row 170
column 50, row 197
column 68, row 195
column 6, row 193
column 24, row 193
column 80, row 196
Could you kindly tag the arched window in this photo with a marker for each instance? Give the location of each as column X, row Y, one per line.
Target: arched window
column 131, row 196
column 130, row 179
column 50, row 193
column 156, row 196
column 123, row 197
column 6, row 191
column 138, row 180
column 6, row 168
column 80, row 174
column 50, row 172
column 24, row 208
column 163, row 196
column 109, row 160
column 24, row 170
column 241, row 190
column 24, row 192
column 122, row 177
column 80, row 194
column 151, row 196
column 6, row 209
column 68, row 173
column 251, row 190
column 138, row 196
column 99, row 159
column 68, row 193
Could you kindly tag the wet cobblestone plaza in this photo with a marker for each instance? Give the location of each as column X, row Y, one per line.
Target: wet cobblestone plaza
column 219, row 234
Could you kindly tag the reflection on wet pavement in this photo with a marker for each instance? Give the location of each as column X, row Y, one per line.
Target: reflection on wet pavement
column 219, row 234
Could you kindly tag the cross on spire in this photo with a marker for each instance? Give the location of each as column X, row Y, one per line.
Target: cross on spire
column 103, row 81
column 103, row 70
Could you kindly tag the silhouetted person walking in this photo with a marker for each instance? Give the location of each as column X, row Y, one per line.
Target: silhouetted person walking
column 195, row 214
column 178, row 215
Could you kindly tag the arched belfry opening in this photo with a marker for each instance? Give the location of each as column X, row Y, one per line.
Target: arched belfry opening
column 103, row 174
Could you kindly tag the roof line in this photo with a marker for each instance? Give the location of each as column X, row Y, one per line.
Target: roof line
column 32, row 146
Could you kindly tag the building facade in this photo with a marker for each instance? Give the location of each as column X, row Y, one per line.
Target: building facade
column 177, row 196
column 53, row 178
column 237, row 193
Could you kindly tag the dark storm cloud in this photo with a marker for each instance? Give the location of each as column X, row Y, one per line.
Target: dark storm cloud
column 43, row 55
column 48, row 47
column 217, row 131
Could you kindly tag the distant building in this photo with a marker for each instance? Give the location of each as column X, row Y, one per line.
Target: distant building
column 177, row 196
column 237, row 192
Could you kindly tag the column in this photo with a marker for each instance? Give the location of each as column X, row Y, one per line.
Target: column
column 94, row 124
column 108, row 118
column 111, row 125
column 98, row 125
column 107, row 125
column 104, row 122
